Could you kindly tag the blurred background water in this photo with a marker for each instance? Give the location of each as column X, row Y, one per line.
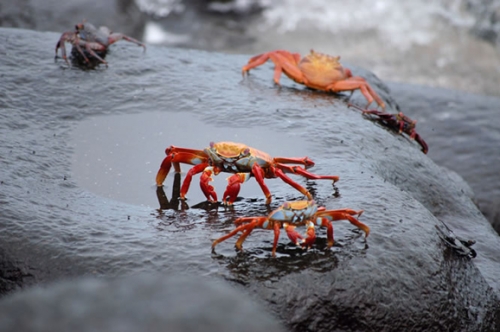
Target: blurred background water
column 442, row 43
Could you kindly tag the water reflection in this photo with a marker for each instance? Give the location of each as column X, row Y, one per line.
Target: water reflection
column 173, row 204
column 257, row 264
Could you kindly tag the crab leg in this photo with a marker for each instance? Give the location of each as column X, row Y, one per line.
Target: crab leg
column 177, row 155
column 67, row 36
column 260, row 59
column 234, row 181
column 205, row 186
column 303, row 161
column 324, row 219
column 283, row 61
column 422, row 143
column 292, row 234
column 90, row 47
column 294, row 184
column 306, row 174
column 288, row 63
column 233, row 187
column 360, row 83
column 114, row 37
column 249, row 223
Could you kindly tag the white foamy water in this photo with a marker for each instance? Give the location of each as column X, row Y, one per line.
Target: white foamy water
column 398, row 23
column 421, row 41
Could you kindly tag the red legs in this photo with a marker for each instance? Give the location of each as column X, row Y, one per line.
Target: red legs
column 114, row 37
column 249, row 223
column 234, row 181
column 294, row 236
column 425, row 147
column 233, row 187
column 327, row 216
column 205, row 186
column 284, row 61
column 360, row 83
column 323, row 218
column 303, row 161
column 90, row 47
column 276, row 237
column 175, row 156
column 301, row 171
column 298, row 170
column 67, row 36
column 72, row 38
column 259, row 175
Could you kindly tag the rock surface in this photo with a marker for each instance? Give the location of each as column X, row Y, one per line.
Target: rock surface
column 402, row 277
column 138, row 303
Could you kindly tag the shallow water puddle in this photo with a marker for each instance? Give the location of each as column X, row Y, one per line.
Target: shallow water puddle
column 118, row 156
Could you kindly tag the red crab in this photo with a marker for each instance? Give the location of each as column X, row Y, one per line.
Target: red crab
column 293, row 214
column 317, row 71
column 236, row 158
column 91, row 42
column 397, row 122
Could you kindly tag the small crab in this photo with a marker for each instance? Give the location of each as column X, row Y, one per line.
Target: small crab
column 316, row 71
column 397, row 122
column 91, row 42
column 236, row 158
column 290, row 215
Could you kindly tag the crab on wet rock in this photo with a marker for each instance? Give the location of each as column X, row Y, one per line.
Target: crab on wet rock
column 240, row 159
column 90, row 42
column 397, row 122
column 291, row 215
column 316, row 71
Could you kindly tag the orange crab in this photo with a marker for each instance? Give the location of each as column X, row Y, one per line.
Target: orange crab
column 236, row 158
column 316, row 71
column 290, row 215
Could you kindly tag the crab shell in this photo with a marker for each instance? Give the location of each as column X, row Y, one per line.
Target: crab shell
column 236, row 157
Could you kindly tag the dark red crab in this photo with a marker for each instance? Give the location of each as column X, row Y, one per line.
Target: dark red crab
column 397, row 122
column 89, row 43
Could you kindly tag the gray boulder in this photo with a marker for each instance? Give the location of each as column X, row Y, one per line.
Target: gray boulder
column 134, row 303
column 403, row 277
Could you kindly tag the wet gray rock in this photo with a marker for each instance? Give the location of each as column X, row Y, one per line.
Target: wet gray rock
column 462, row 130
column 403, row 277
column 134, row 303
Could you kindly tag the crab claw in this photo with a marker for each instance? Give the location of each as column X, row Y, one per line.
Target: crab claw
column 423, row 144
column 292, row 234
column 233, row 187
column 205, row 186
column 311, row 235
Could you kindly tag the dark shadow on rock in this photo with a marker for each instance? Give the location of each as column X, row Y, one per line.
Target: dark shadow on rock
column 14, row 274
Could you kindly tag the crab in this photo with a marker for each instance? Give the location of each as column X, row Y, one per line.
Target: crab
column 91, row 42
column 290, row 215
column 237, row 158
column 397, row 122
column 316, row 71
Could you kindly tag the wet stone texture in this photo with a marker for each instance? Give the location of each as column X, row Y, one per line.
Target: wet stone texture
column 403, row 277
